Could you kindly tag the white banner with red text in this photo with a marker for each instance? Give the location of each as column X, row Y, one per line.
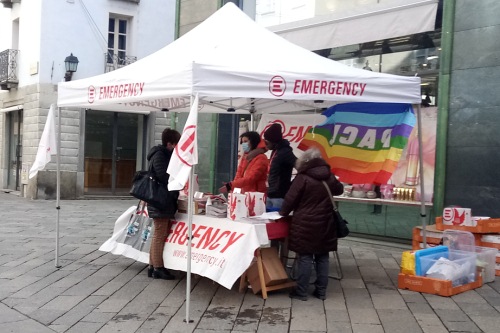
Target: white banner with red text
column 221, row 249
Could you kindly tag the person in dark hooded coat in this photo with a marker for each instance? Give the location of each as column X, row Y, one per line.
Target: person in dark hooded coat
column 159, row 158
column 312, row 232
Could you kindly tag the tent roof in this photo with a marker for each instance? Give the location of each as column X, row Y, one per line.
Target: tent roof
column 233, row 63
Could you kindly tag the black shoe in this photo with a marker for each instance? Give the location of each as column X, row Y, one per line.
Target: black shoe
column 318, row 295
column 162, row 273
column 150, row 271
column 294, row 295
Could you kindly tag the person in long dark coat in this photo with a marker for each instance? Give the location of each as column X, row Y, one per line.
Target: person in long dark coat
column 159, row 158
column 312, row 232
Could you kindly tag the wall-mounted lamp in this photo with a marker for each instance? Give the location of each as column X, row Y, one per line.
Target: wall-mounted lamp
column 71, row 63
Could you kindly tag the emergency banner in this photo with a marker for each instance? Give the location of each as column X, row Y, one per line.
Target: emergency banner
column 294, row 127
column 221, row 249
column 362, row 142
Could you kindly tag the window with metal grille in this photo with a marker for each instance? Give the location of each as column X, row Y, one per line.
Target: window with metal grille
column 117, row 41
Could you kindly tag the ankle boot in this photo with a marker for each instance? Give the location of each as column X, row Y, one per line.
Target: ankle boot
column 150, row 271
column 162, row 273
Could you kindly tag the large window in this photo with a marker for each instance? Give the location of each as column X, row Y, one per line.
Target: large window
column 117, row 41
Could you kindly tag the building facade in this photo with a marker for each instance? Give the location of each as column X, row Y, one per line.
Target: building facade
column 456, row 58
column 100, row 151
column 449, row 43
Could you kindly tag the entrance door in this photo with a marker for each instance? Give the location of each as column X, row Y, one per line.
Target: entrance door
column 15, row 135
column 111, row 151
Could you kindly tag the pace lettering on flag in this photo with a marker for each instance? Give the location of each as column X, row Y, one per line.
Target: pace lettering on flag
column 185, row 154
column 362, row 142
column 47, row 146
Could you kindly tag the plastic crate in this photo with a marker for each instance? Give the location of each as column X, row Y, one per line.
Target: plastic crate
column 491, row 241
column 483, row 226
column 435, row 286
column 486, row 257
column 464, row 259
column 416, row 245
column 434, row 252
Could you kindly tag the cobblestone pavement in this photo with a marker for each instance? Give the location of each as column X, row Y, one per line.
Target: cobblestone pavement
column 95, row 291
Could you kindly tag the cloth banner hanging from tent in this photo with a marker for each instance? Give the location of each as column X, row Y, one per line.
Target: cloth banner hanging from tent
column 294, row 127
column 362, row 142
column 47, row 146
column 185, row 153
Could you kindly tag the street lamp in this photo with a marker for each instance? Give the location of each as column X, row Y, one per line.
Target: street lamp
column 71, row 63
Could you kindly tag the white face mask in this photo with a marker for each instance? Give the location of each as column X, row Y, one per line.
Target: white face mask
column 245, row 147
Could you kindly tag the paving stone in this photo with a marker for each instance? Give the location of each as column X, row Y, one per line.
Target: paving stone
column 83, row 327
column 462, row 326
column 381, row 301
column 98, row 317
column 308, row 315
column 363, row 316
column 352, row 283
column 79, row 311
column 397, row 321
column 25, row 326
column 487, row 323
column 367, row 328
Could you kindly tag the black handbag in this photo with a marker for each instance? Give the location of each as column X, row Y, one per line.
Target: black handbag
column 147, row 188
column 342, row 229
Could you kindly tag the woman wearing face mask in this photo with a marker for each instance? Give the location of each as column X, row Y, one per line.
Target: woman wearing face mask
column 252, row 169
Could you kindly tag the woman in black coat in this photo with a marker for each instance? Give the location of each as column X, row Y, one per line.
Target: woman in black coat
column 312, row 231
column 159, row 158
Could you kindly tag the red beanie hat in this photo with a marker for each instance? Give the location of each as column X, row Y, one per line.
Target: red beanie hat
column 273, row 133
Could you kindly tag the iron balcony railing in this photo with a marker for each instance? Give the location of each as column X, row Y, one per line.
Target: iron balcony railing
column 8, row 69
column 114, row 61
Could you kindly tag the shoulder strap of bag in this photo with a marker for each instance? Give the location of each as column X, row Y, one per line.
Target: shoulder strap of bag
column 330, row 195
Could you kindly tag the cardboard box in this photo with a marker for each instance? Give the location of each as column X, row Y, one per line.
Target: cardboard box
column 274, row 272
column 435, row 286
column 198, row 206
column 458, row 217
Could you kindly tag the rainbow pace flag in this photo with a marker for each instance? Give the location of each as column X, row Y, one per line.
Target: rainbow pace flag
column 362, row 142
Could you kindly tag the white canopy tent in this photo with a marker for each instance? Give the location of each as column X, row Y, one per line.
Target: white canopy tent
column 235, row 65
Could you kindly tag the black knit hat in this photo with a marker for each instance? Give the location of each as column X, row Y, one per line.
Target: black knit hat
column 273, row 133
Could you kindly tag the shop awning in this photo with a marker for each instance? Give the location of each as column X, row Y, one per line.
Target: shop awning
column 368, row 23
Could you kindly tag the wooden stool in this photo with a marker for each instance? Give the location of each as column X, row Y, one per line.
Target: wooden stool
column 261, row 283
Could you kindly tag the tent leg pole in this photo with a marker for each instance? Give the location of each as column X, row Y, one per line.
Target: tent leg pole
column 58, row 185
column 190, row 235
column 190, row 232
column 421, row 171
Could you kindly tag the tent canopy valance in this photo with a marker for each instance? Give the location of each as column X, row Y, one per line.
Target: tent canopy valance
column 232, row 63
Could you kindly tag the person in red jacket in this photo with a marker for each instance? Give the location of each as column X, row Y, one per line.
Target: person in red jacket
column 251, row 174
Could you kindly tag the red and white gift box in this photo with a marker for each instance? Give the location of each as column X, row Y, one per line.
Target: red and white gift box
column 236, row 206
column 256, row 203
column 458, row 217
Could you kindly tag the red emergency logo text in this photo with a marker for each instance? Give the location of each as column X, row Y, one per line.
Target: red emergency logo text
column 277, row 86
column 185, row 148
column 290, row 133
column 91, row 92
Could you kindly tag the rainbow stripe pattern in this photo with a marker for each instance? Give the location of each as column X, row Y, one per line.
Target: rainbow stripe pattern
column 362, row 142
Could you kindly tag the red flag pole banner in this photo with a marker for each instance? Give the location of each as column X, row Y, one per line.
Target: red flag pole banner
column 362, row 142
